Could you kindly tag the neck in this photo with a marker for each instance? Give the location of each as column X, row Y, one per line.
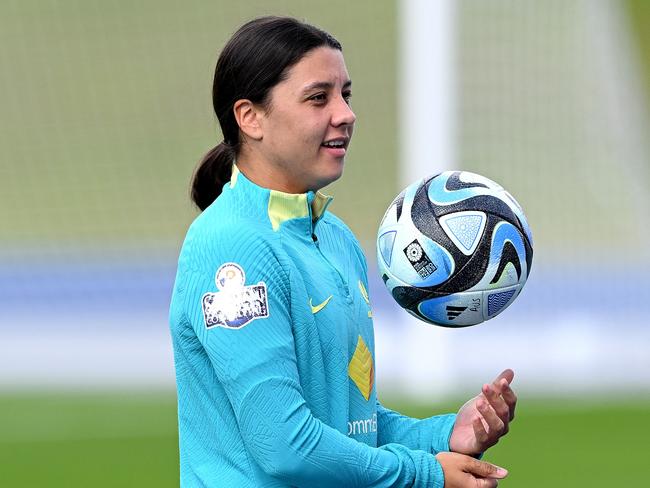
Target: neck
column 266, row 175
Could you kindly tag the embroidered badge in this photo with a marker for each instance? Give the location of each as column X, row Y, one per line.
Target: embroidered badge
column 235, row 304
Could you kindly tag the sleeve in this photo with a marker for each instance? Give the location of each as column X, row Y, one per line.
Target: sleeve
column 256, row 364
column 430, row 435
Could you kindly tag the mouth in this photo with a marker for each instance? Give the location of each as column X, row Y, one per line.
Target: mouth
column 336, row 146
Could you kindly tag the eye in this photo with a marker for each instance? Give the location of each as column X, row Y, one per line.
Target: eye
column 318, row 98
column 347, row 95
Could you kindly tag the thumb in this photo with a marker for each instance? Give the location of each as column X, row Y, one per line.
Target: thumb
column 508, row 374
column 485, row 470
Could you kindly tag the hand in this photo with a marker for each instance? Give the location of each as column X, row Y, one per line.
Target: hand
column 466, row 472
column 485, row 418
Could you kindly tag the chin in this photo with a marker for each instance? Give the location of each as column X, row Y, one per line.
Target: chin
column 333, row 173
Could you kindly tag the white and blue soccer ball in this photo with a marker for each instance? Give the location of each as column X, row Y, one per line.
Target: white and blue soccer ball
column 454, row 249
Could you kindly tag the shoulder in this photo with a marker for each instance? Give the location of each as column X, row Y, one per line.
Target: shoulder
column 217, row 237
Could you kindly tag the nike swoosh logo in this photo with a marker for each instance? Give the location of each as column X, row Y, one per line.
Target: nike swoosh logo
column 319, row 307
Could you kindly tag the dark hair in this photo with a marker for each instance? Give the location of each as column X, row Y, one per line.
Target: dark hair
column 255, row 59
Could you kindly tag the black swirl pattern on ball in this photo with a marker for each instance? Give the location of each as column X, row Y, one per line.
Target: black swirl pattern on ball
column 494, row 206
column 469, row 270
column 454, row 183
column 465, row 276
column 486, row 203
column 529, row 249
column 409, row 296
column 508, row 255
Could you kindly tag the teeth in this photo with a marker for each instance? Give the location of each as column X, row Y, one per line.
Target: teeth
column 334, row 144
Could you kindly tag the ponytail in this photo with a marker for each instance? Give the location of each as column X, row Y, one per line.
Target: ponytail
column 213, row 172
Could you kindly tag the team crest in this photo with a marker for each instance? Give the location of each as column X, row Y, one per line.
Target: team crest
column 235, row 304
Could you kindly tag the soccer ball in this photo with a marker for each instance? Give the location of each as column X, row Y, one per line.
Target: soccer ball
column 454, row 249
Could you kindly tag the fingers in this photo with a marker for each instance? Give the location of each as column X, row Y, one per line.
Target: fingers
column 506, row 374
column 479, row 431
column 496, row 426
column 462, row 470
column 497, row 402
column 502, row 386
column 485, row 470
column 510, row 398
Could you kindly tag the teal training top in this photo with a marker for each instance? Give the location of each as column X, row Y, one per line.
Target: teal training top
column 274, row 353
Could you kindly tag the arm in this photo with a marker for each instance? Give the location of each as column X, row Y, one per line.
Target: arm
column 430, row 435
column 256, row 365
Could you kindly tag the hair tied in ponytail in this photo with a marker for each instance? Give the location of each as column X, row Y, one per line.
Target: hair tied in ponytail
column 212, row 173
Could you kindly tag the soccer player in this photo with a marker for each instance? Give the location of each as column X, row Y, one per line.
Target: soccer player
column 270, row 315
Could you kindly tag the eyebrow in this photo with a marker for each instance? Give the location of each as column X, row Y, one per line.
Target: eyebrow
column 325, row 85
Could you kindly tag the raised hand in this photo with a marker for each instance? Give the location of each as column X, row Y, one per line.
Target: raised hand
column 484, row 419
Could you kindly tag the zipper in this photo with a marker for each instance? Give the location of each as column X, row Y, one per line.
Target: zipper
column 337, row 273
column 314, row 239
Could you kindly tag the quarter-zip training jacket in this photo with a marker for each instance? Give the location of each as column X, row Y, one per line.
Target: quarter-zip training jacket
column 274, row 353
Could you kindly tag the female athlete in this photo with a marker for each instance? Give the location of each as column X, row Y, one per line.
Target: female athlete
column 270, row 315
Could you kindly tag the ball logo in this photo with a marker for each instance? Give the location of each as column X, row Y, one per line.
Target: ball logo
column 419, row 259
column 414, row 252
column 453, row 312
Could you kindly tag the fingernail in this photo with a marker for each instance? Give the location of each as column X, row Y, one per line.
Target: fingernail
column 502, row 472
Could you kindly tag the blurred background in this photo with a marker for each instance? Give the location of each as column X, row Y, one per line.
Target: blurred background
column 106, row 109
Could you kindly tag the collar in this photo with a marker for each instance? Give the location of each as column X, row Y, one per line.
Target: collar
column 298, row 211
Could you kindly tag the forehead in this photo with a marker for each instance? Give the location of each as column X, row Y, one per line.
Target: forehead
column 322, row 64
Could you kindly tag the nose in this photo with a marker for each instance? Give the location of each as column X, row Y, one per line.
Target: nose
column 342, row 113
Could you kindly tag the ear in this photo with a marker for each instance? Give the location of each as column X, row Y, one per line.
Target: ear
column 247, row 116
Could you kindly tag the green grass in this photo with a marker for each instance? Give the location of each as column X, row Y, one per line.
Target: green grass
column 572, row 443
column 122, row 440
column 102, row 440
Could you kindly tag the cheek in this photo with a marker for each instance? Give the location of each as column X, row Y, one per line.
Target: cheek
column 320, row 128
column 309, row 133
column 302, row 128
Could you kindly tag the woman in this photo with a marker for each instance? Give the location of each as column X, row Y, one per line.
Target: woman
column 270, row 317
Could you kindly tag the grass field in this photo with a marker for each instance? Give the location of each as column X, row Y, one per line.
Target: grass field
column 123, row 440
